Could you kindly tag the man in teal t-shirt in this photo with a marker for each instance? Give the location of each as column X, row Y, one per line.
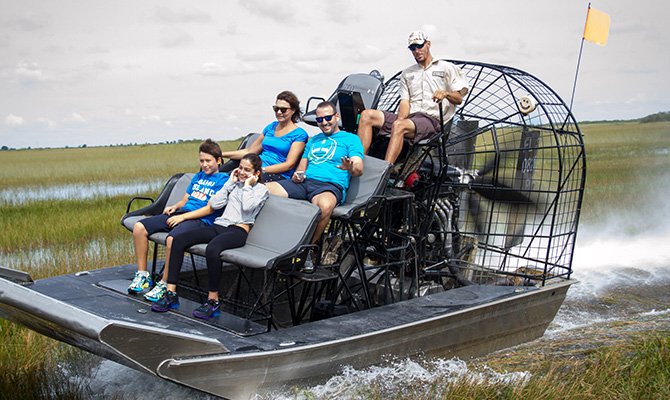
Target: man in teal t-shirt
column 330, row 159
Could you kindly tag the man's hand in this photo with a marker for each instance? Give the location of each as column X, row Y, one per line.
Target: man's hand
column 354, row 165
column 298, row 176
column 347, row 164
column 440, row 95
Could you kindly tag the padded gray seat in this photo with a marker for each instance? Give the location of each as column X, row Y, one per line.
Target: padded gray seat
column 282, row 227
column 173, row 191
column 364, row 188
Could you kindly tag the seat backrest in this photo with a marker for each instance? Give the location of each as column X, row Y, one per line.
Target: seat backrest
column 282, row 226
column 244, row 144
column 179, row 189
column 363, row 188
column 368, row 87
column 172, row 192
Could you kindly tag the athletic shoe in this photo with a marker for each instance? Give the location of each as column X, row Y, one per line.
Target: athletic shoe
column 210, row 309
column 169, row 301
column 141, row 281
column 308, row 267
column 157, row 292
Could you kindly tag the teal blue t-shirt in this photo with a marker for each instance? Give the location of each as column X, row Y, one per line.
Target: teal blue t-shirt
column 324, row 154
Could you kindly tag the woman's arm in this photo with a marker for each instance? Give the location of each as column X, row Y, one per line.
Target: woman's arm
column 256, row 147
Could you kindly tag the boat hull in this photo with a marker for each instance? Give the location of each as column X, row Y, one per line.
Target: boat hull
column 463, row 322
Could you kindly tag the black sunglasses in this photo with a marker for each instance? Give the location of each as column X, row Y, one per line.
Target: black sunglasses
column 416, row 46
column 327, row 118
column 282, row 109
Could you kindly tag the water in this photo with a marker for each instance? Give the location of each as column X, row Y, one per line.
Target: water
column 18, row 196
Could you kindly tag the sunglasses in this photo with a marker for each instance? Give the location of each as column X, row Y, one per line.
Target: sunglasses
column 281, row 109
column 327, row 118
column 416, row 46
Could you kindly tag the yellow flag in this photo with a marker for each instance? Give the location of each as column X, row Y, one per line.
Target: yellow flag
column 597, row 27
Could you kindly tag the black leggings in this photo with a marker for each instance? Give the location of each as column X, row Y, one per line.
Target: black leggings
column 218, row 239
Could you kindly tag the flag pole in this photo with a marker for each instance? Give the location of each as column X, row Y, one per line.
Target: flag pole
column 579, row 60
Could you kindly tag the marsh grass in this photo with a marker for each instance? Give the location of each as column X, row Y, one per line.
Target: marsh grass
column 119, row 164
column 625, row 163
column 628, row 165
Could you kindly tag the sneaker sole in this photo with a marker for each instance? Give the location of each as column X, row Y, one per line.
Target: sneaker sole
column 214, row 314
column 158, row 309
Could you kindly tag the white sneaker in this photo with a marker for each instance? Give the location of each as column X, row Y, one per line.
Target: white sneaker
column 157, row 292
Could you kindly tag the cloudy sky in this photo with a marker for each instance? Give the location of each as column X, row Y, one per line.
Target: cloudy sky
column 76, row 72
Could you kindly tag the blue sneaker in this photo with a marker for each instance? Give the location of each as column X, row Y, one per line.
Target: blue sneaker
column 210, row 309
column 141, row 281
column 157, row 292
column 169, row 301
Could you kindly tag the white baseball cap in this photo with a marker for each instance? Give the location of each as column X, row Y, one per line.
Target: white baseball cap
column 417, row 37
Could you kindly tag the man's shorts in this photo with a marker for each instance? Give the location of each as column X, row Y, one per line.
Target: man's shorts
column 426, row 126
column 158, row 223
column 309, row 188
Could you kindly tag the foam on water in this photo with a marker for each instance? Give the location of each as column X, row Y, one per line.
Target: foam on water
column 395, row 376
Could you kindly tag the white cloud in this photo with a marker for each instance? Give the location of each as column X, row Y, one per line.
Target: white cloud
column 184, row 15
column 30, row 23
column 152, row 118
column 271, row 9
column 48, row 123
column 29, row 72
column 14, row 120
column 75, row 118
column 212, row 69
column 175, row 37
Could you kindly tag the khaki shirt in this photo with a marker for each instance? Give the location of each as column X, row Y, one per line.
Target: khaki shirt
column 418, row 86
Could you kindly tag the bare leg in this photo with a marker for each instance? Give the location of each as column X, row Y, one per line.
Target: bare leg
column 326, row 201
column 401, row 129
column 168, row 247
column 141, row 240
column 369, row 119
column 276, row 189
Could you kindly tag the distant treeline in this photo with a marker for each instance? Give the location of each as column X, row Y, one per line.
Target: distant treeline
column 658, row 117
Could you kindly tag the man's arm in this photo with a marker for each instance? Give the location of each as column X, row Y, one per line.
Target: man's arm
column 354, row 165
column 403, row 109
column 453, row 97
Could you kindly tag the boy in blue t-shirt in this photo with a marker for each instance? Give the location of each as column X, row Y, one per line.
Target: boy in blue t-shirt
column 203, row 186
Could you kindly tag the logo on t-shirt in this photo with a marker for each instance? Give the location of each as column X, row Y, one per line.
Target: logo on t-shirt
column 322, row 151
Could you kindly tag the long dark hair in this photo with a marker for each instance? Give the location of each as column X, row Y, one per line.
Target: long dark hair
column 256, row 164
column 293, row 101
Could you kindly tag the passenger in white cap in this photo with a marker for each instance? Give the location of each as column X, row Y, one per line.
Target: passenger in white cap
column 423, row 86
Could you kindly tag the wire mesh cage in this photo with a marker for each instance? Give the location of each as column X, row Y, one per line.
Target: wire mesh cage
column 518, row 159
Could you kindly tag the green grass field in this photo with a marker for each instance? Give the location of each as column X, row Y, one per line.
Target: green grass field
column 627, row 165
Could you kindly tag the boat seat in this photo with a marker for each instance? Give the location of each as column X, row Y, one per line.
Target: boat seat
column 246, row 143
column 355, row 93
column 363, row 189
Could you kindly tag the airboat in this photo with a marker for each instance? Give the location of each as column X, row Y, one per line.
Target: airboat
column 462, row 248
